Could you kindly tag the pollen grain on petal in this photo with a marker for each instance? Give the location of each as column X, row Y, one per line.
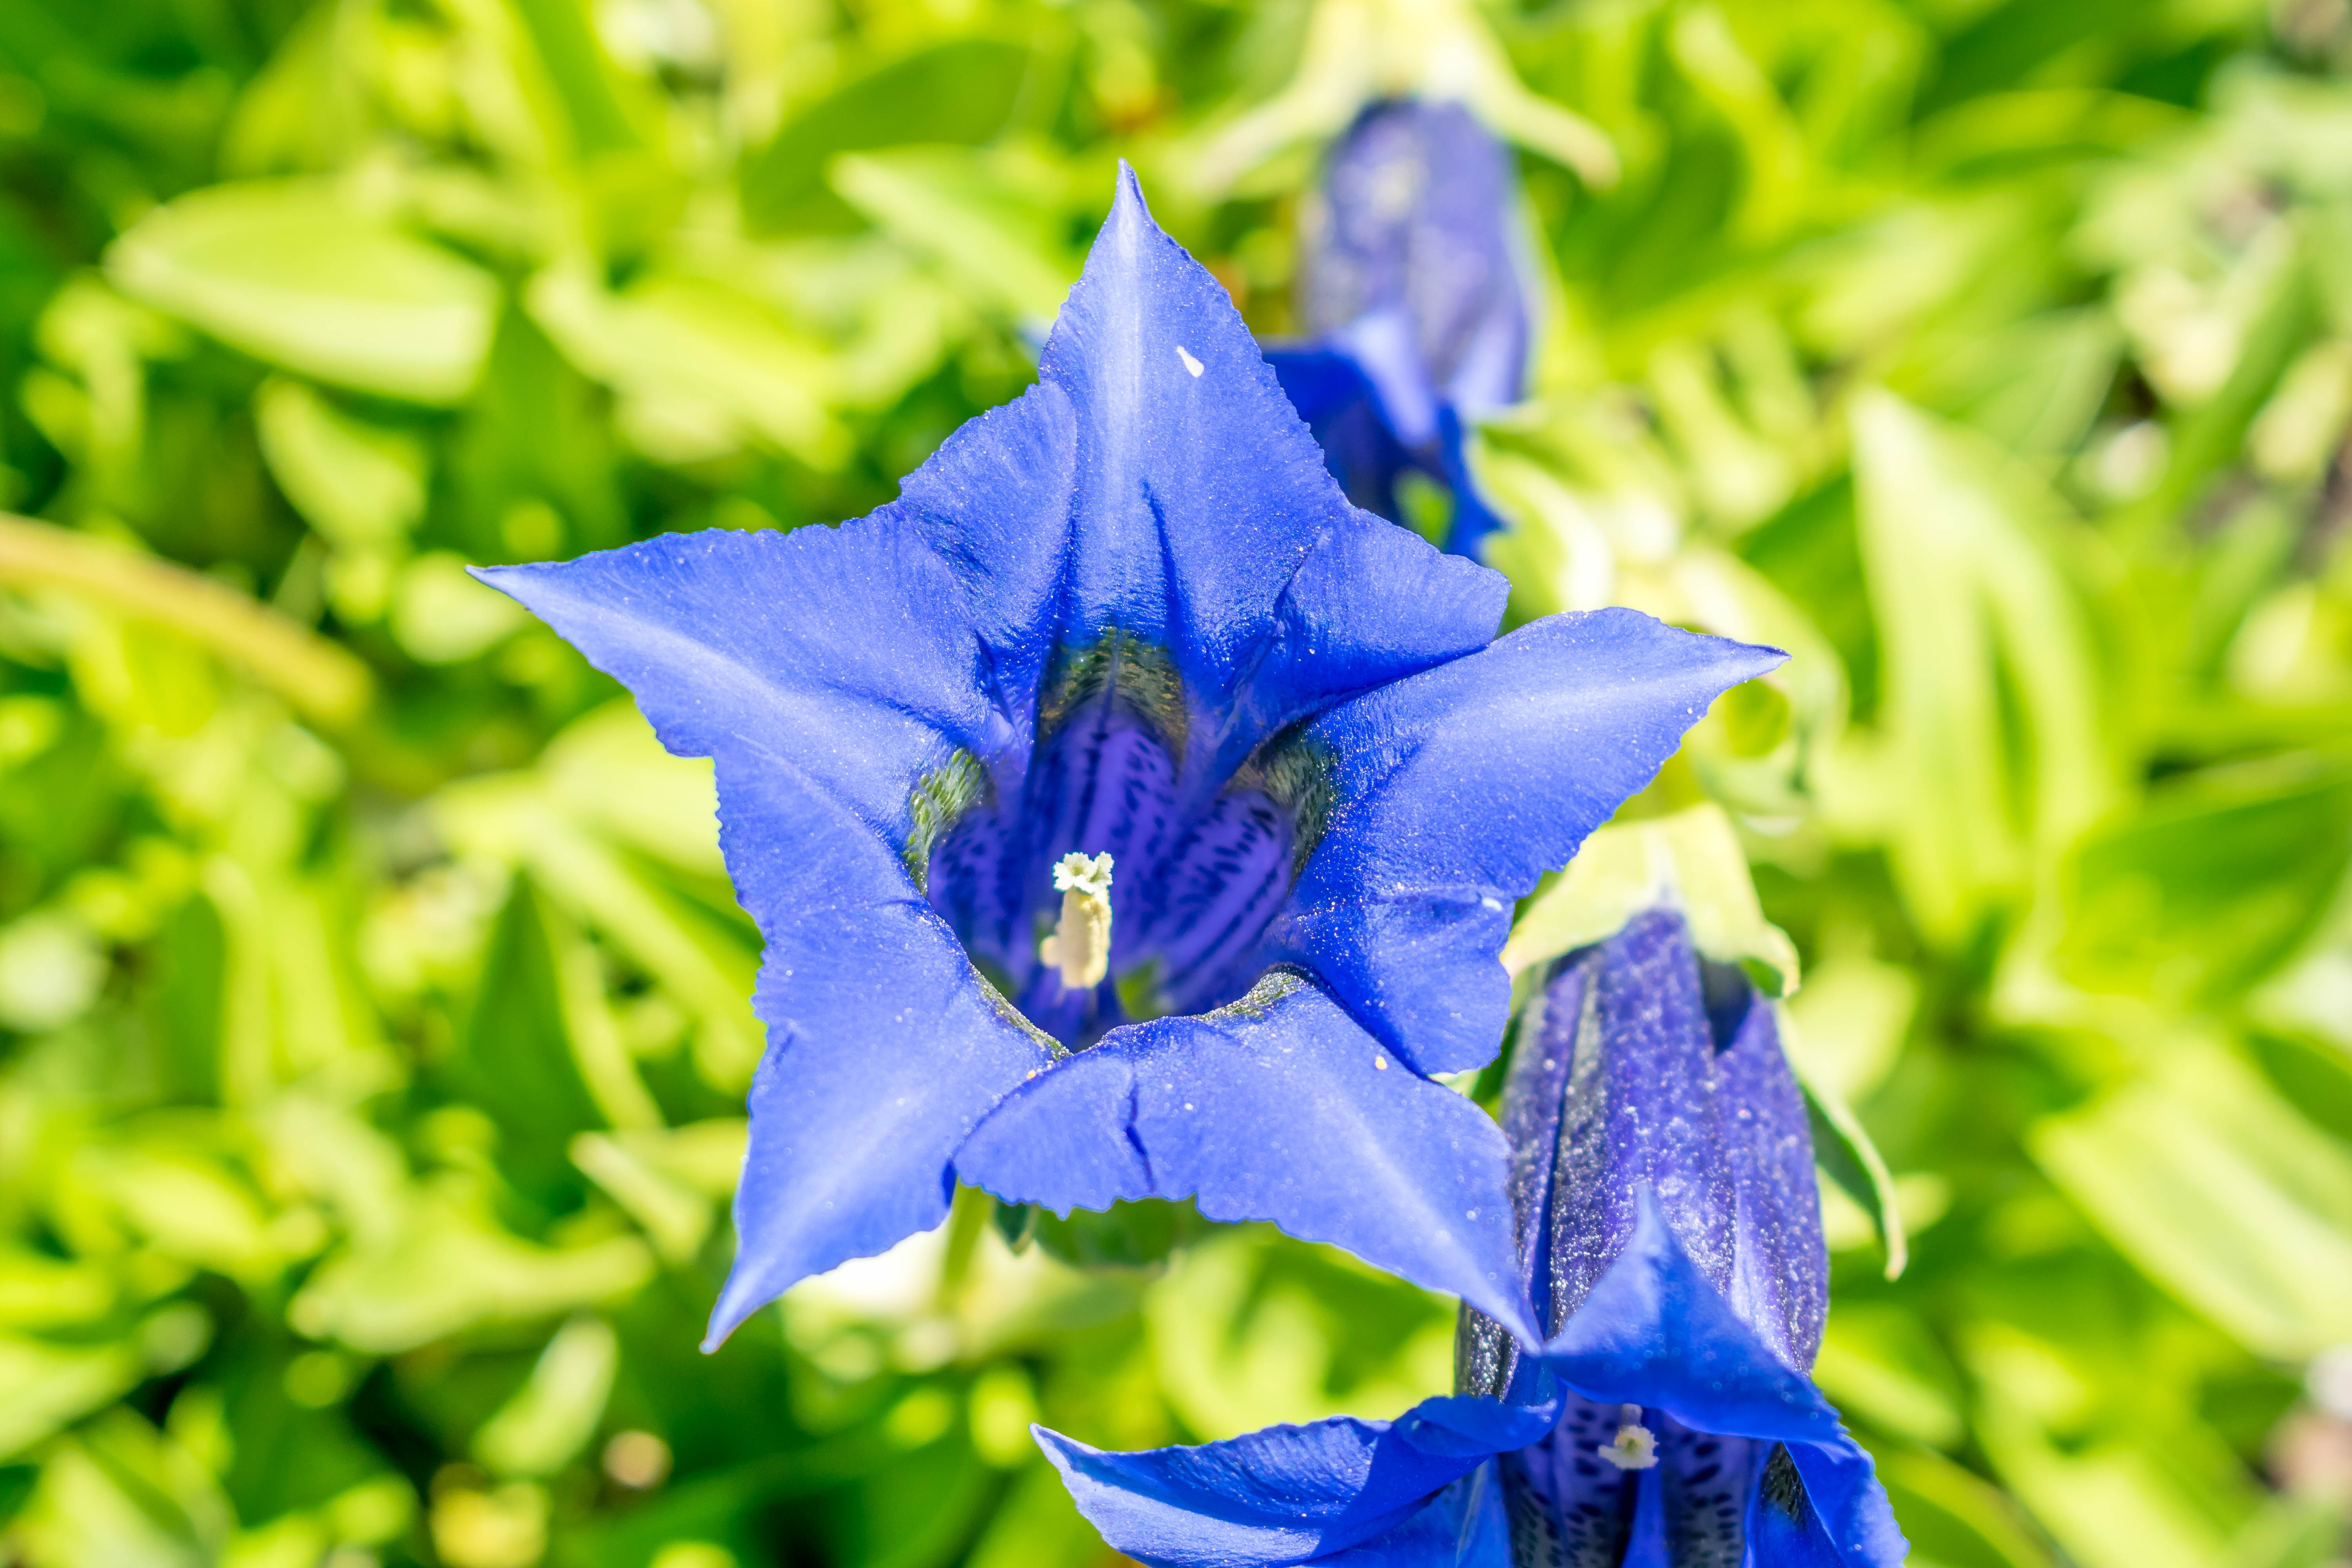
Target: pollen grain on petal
column 1189, row 362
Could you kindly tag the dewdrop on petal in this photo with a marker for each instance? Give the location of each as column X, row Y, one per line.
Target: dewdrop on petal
column 1080, row 945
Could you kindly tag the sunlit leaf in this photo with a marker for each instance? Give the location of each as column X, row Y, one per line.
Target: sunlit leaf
column 292, row 274
column 2217, row 1188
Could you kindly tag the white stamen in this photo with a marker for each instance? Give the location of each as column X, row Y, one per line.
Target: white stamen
column 1189, row 362
column 1635, row 1446
column 1080, row 945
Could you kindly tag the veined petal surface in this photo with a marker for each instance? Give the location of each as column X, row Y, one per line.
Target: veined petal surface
column 1128, row 615
column 1457, row 788
column 1278, row 1108
column 1287, row 1494
column 735, row 646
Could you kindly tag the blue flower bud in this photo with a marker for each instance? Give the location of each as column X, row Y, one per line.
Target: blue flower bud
column 1662, row 1189
column 1412, row 285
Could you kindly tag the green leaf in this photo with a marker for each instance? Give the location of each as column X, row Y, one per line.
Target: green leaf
column 2213, row 884
column 2120, row 1494
column 43, row 1387
column 1843, row 1151
column 449, row 1268
column 1955, row 1519
column 603, row 113
column 700, row 366
column 1992, row 754
column 1880, row 1365
column 2211, row 1183
column 958, row 210
column 961, row 91
column 1248, row 1328
column 555, row 1412
column 358, row 484
column 292, row 274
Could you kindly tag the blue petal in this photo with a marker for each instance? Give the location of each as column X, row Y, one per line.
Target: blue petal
column 1653, row 1331
column 1382, row 343
column 1560, row 1492
column 1414, row 275
column 1785, row 1533
column 994, row 504
column 1321, row 383
column 752, row 648
column 1197, row 491
column 1461, row 1527
column 876, row 1068
column 1456, row 789
column 1278, row 1108
column 1473, row 520
column 1780, row 1273
column 1849, row 1506
column 1535, row 1090
column 1286, row 1494
column 1332, row 394
column 1130, row 489
column 1373, row 603
column 1375, row 416
column 1704, row 1481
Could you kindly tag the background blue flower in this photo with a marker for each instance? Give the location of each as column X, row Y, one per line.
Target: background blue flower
column 1130, row 615
column 1412, row 288
column 1661, row 1184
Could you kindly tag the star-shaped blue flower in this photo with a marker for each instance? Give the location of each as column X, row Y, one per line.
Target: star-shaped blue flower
column 1125, row 813
column 1412, row 290
column 1663, row 1181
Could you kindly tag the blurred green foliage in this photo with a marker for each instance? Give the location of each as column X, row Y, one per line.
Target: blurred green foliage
column 373, row 994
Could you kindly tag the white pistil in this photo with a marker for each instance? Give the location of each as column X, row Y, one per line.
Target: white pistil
column 1080, row 945
column 1636, row 1447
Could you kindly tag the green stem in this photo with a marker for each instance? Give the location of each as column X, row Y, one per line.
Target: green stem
column 326, row 682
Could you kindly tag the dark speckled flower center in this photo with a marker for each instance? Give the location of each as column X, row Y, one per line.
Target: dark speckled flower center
column 1204, row 859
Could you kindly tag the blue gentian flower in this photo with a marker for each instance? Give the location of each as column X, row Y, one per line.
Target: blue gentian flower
column 1412, row 289
column 1661, row 1183
column 1125, row 813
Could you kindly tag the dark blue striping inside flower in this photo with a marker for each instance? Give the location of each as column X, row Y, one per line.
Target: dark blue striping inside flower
column 1125, row 813
column 1203, row 855
column 1662, row 1187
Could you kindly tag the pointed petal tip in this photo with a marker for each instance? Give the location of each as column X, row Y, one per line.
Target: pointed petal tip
column 1130, row 212
column 1058, row 1449
column 738, row 1300
column 525, row 581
